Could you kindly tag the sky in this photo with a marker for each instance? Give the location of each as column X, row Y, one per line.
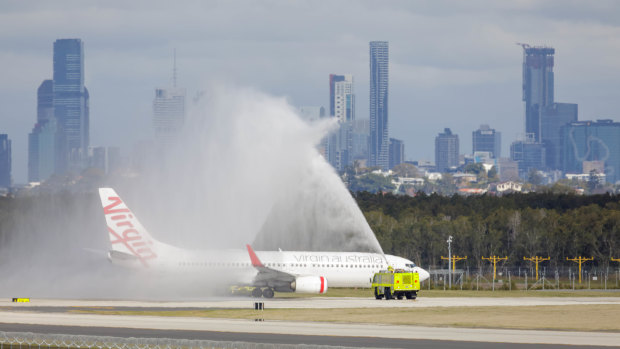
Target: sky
column 452, row 63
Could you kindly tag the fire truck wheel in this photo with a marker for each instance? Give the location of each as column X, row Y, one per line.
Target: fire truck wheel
column 268, row 293
column 257, row 292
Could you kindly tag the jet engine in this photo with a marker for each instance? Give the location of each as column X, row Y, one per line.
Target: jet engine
column 309, row 284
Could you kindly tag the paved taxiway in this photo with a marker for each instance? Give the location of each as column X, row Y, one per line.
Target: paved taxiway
column 53, row 313
column 318, row 302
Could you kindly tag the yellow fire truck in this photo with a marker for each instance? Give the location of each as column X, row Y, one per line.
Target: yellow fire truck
column 396, row 284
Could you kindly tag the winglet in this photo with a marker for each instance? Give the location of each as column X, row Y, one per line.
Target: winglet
column 255, row 261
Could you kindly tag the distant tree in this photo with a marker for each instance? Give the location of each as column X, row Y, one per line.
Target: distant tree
column 372, row 183
column 493, row 174
column 405, row 170
column 516, row 225
column 534, row 177
column 474, row 168
column 593, row 180
column 446, row 184
column 561, row 187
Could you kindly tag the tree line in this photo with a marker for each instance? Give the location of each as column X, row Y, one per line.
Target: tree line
column 516, row 225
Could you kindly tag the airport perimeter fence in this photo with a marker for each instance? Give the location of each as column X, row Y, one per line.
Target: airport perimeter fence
column 23, row 340
column 524, row 278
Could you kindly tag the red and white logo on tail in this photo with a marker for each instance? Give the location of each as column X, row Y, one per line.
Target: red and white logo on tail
column 126, row 233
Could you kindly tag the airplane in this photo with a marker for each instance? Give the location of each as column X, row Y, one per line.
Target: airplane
column 266, row 271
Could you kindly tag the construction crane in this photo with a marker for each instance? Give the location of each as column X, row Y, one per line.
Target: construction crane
column 523, row 45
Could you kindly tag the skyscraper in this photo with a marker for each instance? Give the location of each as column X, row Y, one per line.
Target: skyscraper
column 342, row 107
column 333, row 79
column 446, row 150
column 341, row 97
column 42, row 141
column 487, row 139
column 553, row 118
column 71, row 109
column 168, row 114
column 587, row 141
column 397, row 152
column 528, row 154
column 45, row 101
column 5, row 161
column 359, row 141
column 543, row 117
column 379, row 139
column 537, row 87
column 168, row 111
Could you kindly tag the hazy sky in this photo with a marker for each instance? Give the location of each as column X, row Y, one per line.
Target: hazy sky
column 452, row 63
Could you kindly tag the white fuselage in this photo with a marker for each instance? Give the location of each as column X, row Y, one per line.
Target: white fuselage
column 341, row 269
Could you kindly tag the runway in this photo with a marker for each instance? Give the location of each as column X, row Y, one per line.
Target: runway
column 276, row 339
column 315, row 302
column 87, row 322
column 51, row 315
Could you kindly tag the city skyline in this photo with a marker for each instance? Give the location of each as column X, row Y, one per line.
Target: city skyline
column 464, row 71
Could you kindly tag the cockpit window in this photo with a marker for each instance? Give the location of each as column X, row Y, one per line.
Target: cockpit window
column 412, row 265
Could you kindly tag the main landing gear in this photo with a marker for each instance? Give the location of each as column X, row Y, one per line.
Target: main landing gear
column 266, row 292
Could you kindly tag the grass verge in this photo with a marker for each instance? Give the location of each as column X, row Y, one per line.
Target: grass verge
column 569, row 317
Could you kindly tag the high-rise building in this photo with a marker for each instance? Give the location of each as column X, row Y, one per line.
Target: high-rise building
column 543, row 117
column 107, row 159
column 530, row 155
column 168, row 114
column 45, row 101
column 42, row 150
column 342, row 97
column 397, row 152
column 488, row 140
column 42, row 141
column 553, row 118
column 5, row 161
column 379, row 138
column 71, row 109
column 333, row 79
column 587, row 141
column 446, row 150
column 342, row 108
column 537, row 87
column 359, row 141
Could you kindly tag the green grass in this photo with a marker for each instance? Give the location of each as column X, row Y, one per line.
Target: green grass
column 565, row 317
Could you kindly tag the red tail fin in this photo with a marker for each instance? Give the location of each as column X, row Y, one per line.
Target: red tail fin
column 255, row 261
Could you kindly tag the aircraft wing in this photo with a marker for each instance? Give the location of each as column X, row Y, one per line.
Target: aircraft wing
column 268, row 275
